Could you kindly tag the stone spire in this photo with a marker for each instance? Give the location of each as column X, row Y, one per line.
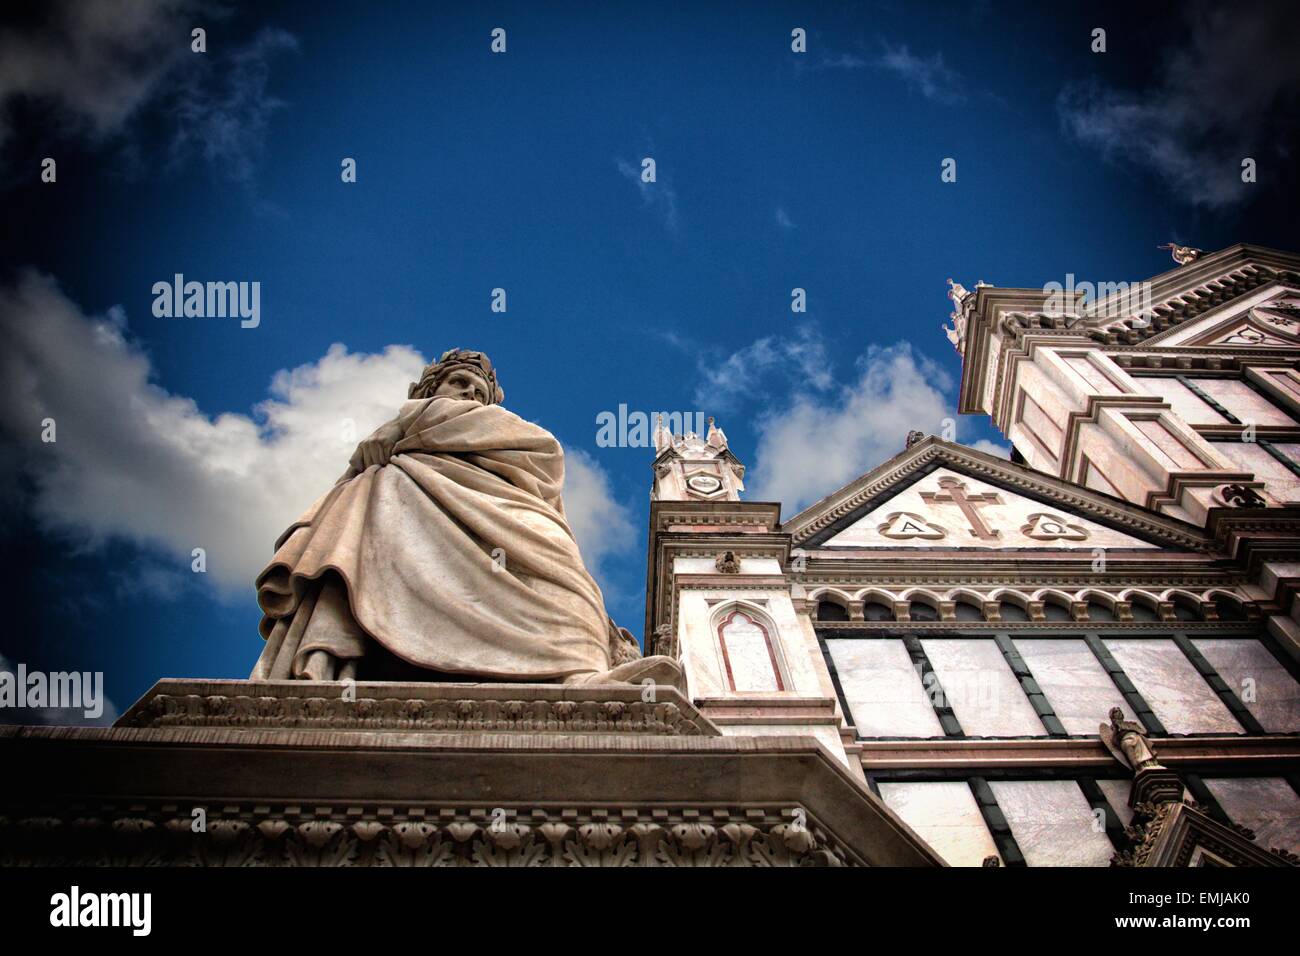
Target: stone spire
column 691, row 468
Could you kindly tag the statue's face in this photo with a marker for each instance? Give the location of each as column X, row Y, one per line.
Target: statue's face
column 463, row 384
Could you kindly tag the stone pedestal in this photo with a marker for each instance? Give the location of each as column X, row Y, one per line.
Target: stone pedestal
column 224, row 773
column 1155, row 785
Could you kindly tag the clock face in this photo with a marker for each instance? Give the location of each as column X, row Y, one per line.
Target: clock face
column 704, row 484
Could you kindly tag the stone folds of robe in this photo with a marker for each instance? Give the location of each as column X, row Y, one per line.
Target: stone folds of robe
column 455, row 556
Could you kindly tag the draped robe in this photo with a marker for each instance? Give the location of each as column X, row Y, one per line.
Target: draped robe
column 455, row 556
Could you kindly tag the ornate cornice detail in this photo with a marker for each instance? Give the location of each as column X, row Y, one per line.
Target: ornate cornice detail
column 415, row 714
column 419, row 836
column 1067, row 628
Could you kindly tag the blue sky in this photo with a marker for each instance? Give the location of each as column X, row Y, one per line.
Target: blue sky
column 477, row 171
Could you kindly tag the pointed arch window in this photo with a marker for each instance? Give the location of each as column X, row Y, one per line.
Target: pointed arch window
column 748, row 654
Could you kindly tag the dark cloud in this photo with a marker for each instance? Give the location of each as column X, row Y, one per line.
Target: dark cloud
column 1228, row 91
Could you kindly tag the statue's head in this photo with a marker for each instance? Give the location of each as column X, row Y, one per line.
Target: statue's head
column 1116, row 715
column 460, row 373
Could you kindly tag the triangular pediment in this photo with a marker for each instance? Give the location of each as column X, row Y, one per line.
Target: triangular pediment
column 939, row 495
column 1269, row 318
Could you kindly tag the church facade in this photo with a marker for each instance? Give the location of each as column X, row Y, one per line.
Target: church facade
column 1084, row 655
column 956, row 628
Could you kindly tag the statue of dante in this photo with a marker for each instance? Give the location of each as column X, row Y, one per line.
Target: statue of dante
column 443, row 553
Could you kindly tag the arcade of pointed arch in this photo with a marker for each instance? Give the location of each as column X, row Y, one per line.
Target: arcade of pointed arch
column 832, row 605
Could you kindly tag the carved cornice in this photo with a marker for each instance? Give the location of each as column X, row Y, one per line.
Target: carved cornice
column 432, row 836
column 250, row 710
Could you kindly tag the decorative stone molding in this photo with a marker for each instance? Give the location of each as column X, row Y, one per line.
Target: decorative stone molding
column 419, row 836
column 439, row 708
column 1178, row 834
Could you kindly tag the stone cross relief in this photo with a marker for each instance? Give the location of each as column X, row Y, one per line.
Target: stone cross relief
column 957, row 494
column 906, row 525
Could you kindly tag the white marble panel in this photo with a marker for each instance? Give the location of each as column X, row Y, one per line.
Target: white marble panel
column 1186, row 404
column 1252, row 672
column 883, row 689
column 1077, row 686
column 1174, row 689
column 1266, row 805
column 945, row 816
column 1282, row 482
column 1244, row 402
column 1053, row 823
column 1116, row 793
column 749, row 655
column 980, row 688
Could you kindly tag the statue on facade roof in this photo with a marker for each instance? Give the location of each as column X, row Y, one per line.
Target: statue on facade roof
column 958, row 293
column 443, row 552
column 1182, row 254
column 717, row 438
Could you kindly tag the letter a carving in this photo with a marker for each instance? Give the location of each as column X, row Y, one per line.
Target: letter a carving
column 903, row 525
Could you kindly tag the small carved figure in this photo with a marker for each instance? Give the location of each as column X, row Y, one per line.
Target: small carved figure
column 1128, row 743
column 727, row 563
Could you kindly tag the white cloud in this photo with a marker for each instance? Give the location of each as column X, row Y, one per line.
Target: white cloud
column 1231, row 91
column 659, row 196
column 741, row 375
column 95, row 63
column 991, row 448
column 822, row 439
column 94, row 67
column 830, row 61
column 783, row 218
column 134, row 462
column 222, row 112
column 601, row 524
column 930, row 76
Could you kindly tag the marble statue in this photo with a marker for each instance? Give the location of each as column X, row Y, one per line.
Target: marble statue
column 443, row 553
column 1128, row 743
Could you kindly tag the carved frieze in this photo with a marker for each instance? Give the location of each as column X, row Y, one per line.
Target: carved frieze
column 420, row 836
